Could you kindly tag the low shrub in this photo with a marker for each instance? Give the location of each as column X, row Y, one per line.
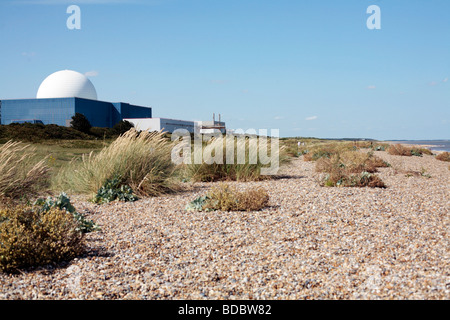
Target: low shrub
column 444, row 156
column 419, row 152
column 226, row 198
column 33, row 238
column 350, row 170
column 38, row 132
column 99, row 132
column 364, row 179
column 81, row 123
column 376, row 162
column 401, row 150
column 112, row 190
column 21, row 174
column 121, row 127
column 351, row 162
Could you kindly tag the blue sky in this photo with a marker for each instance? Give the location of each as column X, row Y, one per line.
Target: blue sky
column 306, row 67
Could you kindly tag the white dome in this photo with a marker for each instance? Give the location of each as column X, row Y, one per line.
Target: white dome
column 66, row 84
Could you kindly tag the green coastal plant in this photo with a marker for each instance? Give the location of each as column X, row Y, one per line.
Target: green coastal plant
column 198, row 204
column 112, row 190
column 62, row 202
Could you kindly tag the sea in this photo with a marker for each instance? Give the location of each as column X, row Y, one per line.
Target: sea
column 437, row 145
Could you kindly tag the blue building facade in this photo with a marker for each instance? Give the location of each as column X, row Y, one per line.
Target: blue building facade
column 61, row 110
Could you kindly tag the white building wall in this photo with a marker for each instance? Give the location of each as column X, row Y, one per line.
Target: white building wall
column 151, row 124
column 167, row 125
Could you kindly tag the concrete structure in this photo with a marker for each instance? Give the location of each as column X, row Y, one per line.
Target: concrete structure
column 164, row 124
column 210, row 126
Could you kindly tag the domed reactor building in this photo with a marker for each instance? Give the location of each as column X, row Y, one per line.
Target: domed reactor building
column 60, row 96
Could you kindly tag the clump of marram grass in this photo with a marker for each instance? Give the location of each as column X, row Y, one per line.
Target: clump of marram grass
column 227, row 198
column 142, row 160
column 327, row 149
column 240, row 168
column 21, row 174
column 31, row 237
column 444, row 156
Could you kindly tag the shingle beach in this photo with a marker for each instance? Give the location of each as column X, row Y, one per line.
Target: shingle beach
column 312, row 242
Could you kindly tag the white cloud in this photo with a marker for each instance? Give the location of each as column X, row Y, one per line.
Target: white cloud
column 433, row 83
column 445, row 80
column 371, row 87
column 311, row 118
column 92, row 73
column 278, row 118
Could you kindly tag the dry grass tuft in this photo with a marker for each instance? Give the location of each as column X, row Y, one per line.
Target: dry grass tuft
column 224, row 197
column 328, row 149
column 21, row 174
column 238, row 169
column 399, row 150
column 444, row 156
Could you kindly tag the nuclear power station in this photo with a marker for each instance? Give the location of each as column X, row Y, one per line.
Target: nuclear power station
column 66, row 92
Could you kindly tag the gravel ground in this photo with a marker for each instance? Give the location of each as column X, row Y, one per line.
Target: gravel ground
column 310, row 243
